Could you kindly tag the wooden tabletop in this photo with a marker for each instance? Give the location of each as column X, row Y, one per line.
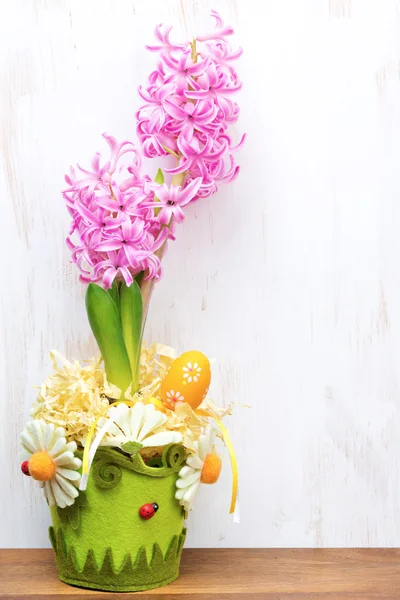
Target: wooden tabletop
column 222, row 574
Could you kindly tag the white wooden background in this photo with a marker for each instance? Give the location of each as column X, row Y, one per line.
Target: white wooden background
column 290, row 277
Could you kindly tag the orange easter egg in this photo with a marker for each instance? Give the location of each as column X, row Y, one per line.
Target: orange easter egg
column 187, row 380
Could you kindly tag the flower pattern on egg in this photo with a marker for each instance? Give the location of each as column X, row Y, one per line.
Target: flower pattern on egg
column 191, row 372
column 174, row 397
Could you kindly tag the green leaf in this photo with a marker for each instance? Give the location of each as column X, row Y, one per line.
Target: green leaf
column 138, row 571
column 131, row 447
column 159, row 178
column 139, row 278
column 105, row 323
column 131, row 311
column 114, row 293
column 170, row 151
column 72, row 514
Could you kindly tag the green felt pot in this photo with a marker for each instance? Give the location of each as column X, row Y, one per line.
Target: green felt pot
column 102, row 542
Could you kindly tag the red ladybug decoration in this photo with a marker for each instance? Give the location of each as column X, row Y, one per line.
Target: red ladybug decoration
column 25, row 467
column 148, row 510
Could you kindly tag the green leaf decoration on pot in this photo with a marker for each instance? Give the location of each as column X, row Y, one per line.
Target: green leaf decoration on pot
column 132, row 447
column 72, row 514
column 107, row 472
column 137, row 572
column 105, row 323
column 115, row 548
column 131, row 311
column 155, row 461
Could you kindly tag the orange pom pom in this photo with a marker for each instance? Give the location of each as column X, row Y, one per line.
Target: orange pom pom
column 41, row 466
column 211, row 469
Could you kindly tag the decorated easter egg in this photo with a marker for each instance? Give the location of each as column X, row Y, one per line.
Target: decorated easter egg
column 187, row 380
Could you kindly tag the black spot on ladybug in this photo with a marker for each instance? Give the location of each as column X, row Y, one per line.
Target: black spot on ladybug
column 148, row 510
column 25, row 467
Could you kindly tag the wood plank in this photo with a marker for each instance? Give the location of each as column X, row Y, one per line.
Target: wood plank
column 278, row 574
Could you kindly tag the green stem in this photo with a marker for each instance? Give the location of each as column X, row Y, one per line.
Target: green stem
column 105, row 322
column 147, row 286
column 131, row 321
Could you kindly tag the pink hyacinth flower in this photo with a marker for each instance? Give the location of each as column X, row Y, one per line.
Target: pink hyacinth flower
column 188, row 107
column 118, row 228
column 173, row 198
column 220, row 31
column 191, row 116
column 115, row 232
column 162, row 35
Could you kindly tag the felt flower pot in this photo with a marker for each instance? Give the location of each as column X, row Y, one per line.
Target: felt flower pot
column 125, row 532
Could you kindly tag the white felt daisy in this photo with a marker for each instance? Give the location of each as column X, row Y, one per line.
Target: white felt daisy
column 204, row 466
column 137, row 424
column 51, row 461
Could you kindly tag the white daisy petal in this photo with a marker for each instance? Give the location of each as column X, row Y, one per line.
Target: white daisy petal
column 58, row 447
column 37, row 435
column 48, row 493
column 69, row 474
column 191, row 493
column 185, row 471
column 59, row 495
column 67, row 486
column 69, row 500
column 116, row 416
column 153, row 419
column 27, row 442
column 113, row 440
column 71, row 446
column 206, row 441
column 137, row 415
column 49, row 437
column 123, row 421
column 186, row 481
column 195, row 462
column 114, row 430
column 162, row 439
column 76, row 463
column 60, row 432
column 180, row 493
column 64, row 459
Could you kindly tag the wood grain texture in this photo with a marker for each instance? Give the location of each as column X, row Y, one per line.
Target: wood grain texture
column 289, row 276
column 222, row 574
